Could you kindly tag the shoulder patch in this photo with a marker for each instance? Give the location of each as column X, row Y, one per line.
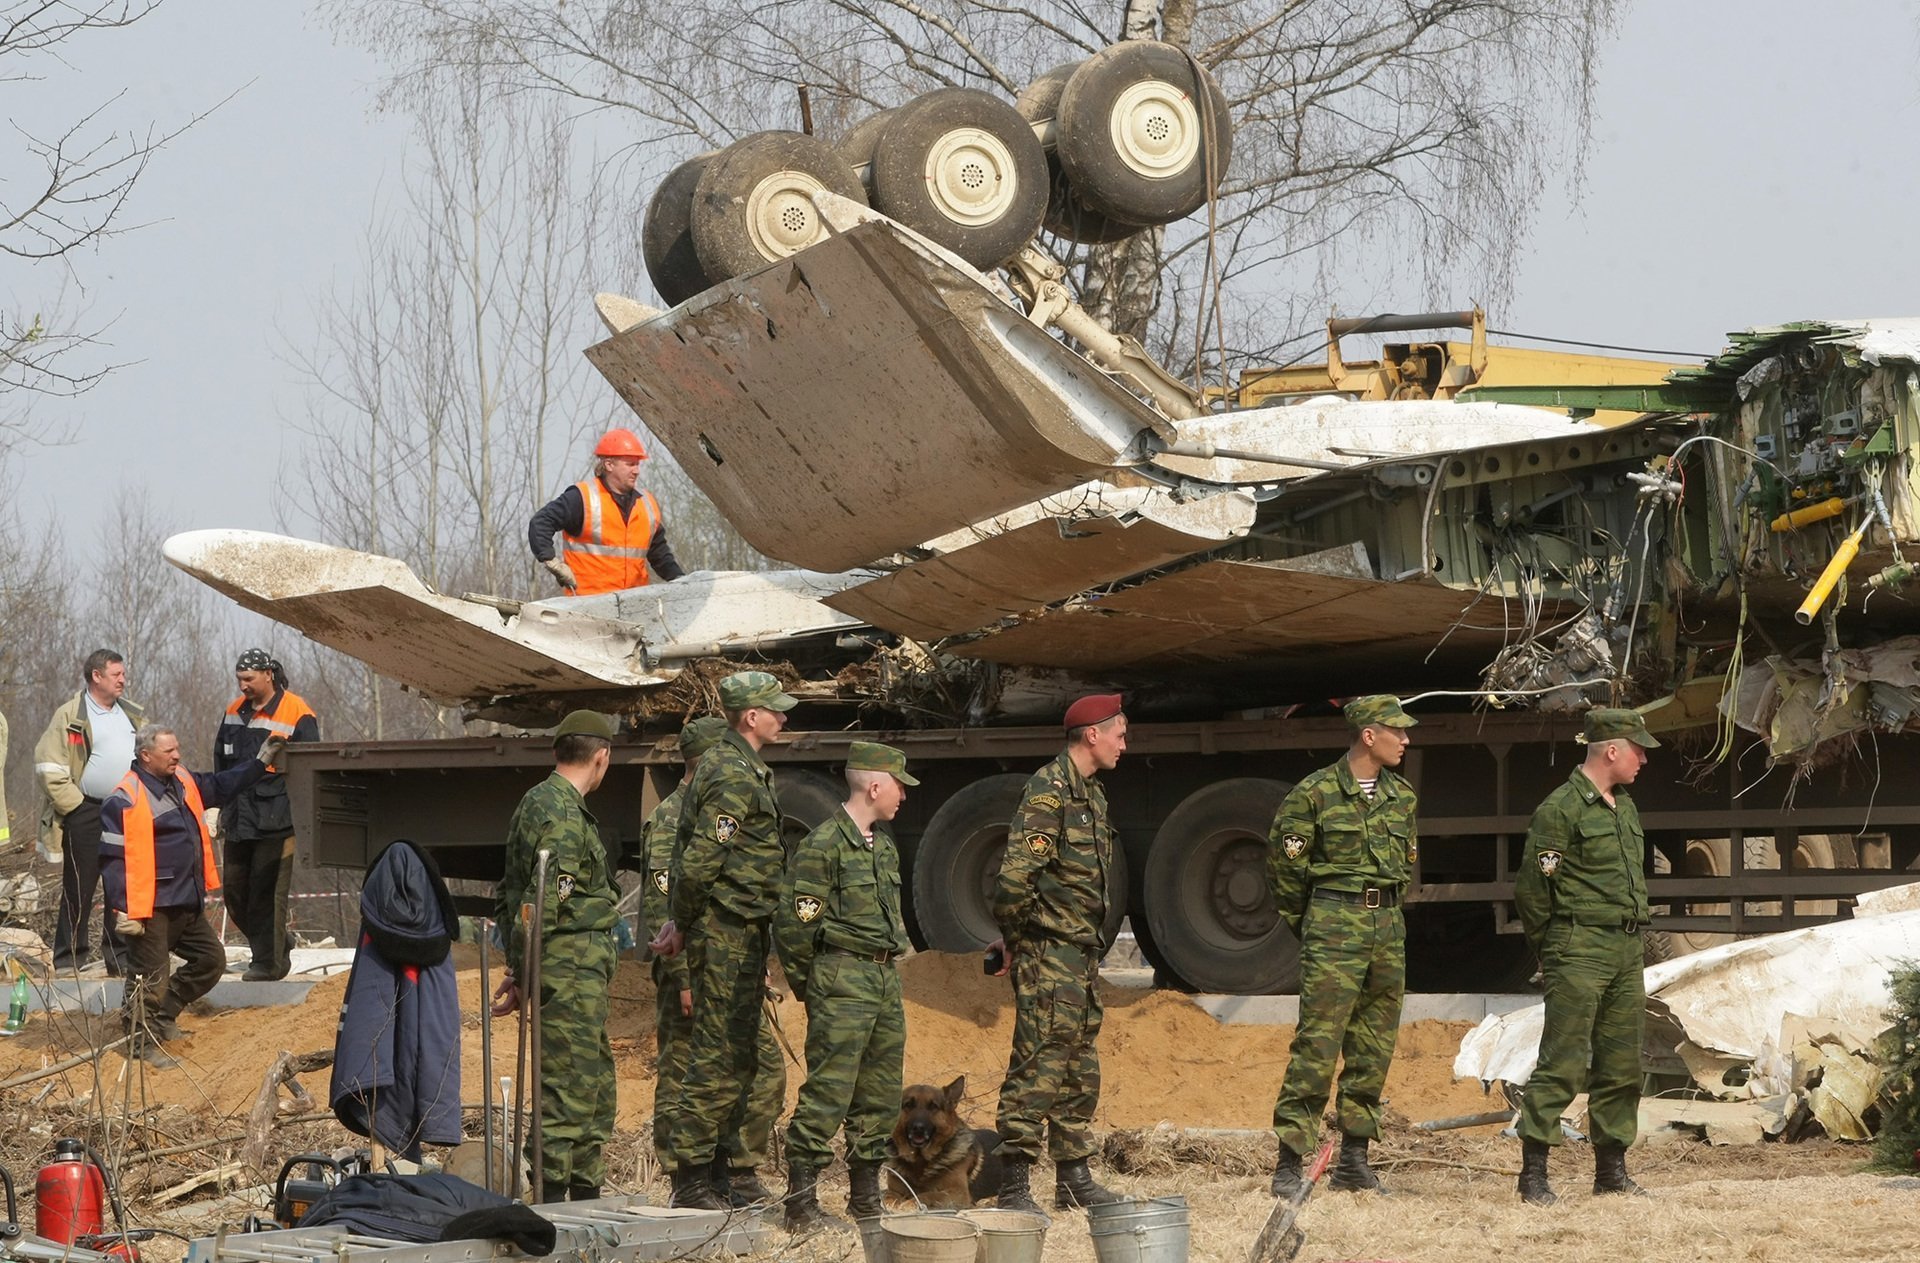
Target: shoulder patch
column 724, row 827
column 807, row 908
column 1549, row 863
column 661, row 880
column 1294, row 845
column 1045, row 801
column 1040, row 845
column 566, row 886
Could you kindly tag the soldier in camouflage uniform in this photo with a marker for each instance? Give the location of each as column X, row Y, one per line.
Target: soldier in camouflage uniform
column 576, row 955
column 1340, row 855
column 673, row 995
column 724, row 882
column 1051, row 905
column 839, row 929
column 1581, row 892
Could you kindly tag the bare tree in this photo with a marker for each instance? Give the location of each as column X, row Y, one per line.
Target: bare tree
column 1408, row 138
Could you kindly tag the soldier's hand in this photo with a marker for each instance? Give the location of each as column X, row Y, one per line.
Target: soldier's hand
column 561, row 571
column 128, row 927
column 669, row 942
column 686, row 1003
column 999, row 945
column 506, row 997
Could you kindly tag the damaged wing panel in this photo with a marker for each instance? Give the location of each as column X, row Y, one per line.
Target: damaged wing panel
column 861, row 397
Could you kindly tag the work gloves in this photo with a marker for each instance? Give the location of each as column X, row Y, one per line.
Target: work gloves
column 271, row 750
column 129, row 927
column 561, row 571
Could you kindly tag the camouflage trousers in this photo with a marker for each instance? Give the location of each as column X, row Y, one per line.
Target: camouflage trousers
column 1053, row 1074
column 576, row 1060
column 1353, row 973
column 1596, row 1013
column 727, row 964
column 749, row 1146
column 856, row 1055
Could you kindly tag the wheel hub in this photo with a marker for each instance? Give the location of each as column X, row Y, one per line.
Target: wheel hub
column 1156, row 129
column 1238, row 890
column 970, row 176
column 781, row 219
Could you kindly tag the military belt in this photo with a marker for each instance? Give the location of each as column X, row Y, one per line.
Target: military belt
column 1603, row 921
column 878, row 958
column 1371, row 897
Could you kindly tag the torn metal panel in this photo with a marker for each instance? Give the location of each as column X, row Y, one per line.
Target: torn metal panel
column 1221, row 610
column 377, row 610
column 860, row 397
column 1080, row 539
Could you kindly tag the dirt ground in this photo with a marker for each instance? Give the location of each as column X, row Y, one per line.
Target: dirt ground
column 1167, row 1066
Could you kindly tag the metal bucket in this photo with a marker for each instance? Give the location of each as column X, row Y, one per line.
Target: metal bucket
column 873, row 1239
column 1009, row 1236
column 1140, row 1230
column 929, row 1238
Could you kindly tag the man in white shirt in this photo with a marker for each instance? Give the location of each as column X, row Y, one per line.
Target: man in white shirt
column 85, row 750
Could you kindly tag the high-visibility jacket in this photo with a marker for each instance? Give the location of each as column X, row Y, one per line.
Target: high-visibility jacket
column 610, row 552
column 137, row 840
column 262, row 811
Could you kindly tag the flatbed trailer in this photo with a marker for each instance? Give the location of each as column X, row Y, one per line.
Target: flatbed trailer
column 1192, row 803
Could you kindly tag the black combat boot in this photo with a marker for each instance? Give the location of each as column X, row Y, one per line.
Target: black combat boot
column 803, row 1202
column 1534, row 1189
column 582, row 1192
column 1352, row 1174
column 1073, row 1187
column 720, row 1178
column 863, row 1193
column 1286, row 1174
column 745, row 1189
column 1610, row 1172
column 1014, row 1193
column 693, row 1190
column 551, row 1193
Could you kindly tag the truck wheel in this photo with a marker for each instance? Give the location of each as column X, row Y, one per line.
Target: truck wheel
column 958, row 862
column 807, row 801
column 1067, row 216
column 964, row 169
column 1209, row 907
column 1136, row 136
column 856, row 147
column 665, row 242
column 754, row 202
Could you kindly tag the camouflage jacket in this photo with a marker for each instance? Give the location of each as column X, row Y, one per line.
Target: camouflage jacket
column 581, row 897
column 1053, row 880
column 842, row 890
column 655, row 901
column 1585, row 861
column 727, row 847
column 1329, row 833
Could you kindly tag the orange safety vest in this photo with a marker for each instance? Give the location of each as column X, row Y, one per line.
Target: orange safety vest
column 280, row 723
column 610, row 553
column 136, row 832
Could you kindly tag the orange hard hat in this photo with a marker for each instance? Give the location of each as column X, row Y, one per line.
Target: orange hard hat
column 620, row 443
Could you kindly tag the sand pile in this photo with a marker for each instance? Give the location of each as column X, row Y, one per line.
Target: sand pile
column 1164, row 1059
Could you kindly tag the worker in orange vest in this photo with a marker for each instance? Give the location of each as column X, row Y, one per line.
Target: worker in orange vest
column 611, row 531
column 157, row 867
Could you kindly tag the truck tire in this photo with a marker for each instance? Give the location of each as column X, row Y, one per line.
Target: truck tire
column 1067, row 216
column 807, row 800
column 754, row 202
column 958, row 861
column 665, row 240
column 856, row 147
column 962, row 168
column 1137, row 137
column 1209, row 907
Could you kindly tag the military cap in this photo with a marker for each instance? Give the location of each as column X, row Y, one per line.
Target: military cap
column 1096, row 708
column 744, row 690
column 701, row 735
column 585, row 723
column 1605, row 723
column 1377, row 708
column 871, row 756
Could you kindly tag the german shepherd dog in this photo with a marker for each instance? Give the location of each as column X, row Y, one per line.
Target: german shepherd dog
column 948, row 1164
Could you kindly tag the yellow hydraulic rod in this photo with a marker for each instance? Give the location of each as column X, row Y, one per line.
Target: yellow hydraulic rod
column 1830, row 577
column 1810, row 514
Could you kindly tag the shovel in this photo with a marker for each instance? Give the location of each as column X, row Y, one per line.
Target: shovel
column 1279, row 1239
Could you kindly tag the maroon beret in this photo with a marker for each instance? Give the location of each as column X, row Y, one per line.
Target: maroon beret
column 1095, row 709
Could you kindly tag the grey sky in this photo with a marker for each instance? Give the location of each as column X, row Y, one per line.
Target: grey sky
column 1753, row 162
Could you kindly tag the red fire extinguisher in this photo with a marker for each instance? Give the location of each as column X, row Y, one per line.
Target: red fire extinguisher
column 70, row 1195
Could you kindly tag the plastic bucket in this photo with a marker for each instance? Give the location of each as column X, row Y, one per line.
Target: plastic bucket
column 1009, row 1236
column 930, row 1239
column 1140, row 1230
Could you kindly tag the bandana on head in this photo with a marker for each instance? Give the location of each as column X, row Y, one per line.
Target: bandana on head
column 261, row 660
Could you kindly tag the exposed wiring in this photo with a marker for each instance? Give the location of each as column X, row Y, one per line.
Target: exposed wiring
column 1598, row 346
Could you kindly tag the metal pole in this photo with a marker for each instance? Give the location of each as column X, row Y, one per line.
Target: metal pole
column 532, row 1000
column 486, row 1049
column 520, row 1067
